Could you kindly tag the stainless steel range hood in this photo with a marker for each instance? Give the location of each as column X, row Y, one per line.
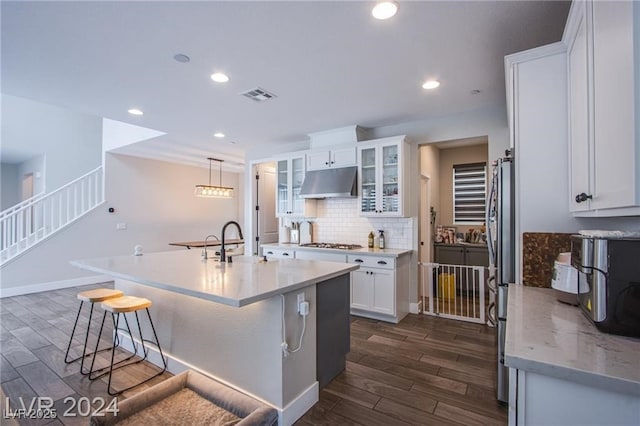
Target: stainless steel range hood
column 330, row 183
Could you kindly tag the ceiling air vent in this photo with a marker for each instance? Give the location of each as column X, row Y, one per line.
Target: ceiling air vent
column 258, row 94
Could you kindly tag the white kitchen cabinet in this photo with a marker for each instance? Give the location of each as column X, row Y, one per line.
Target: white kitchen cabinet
column 290, row 171
column 379, row 288
column 382, row 176
column 603, row 108
column 578, row 106
column 340, row 157
column 538, row 399
column 319, row 255
column 372, row 289
column 278, row 253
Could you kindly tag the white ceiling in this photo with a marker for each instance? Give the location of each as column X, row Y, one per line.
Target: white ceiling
column 330, row 64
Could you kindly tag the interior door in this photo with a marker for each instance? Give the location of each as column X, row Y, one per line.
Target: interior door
column 267, row 221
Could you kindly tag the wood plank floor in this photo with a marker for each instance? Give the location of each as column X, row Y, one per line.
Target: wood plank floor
column 422, row 371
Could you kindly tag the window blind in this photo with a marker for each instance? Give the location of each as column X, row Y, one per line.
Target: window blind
column 469, row 193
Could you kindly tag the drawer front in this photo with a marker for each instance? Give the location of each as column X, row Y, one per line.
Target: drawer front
column 274, row 253
column 372, row 261
column 315, row 255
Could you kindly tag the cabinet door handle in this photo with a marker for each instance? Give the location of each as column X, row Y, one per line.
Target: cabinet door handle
column 332, row 162
column 326, row 163
column 285, row 254
column 381, row 262
column 582, row 197
column 358, row 260
column 269, row 252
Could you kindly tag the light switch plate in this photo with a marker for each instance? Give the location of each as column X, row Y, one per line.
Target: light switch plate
column 120, row 226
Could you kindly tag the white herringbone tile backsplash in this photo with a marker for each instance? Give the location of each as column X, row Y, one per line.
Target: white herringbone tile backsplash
column 339, row 221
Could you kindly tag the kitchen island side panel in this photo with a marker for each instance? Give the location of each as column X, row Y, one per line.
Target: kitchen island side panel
column 241, row 346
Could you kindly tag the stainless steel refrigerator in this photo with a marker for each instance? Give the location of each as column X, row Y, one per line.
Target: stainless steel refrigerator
column 501, row 246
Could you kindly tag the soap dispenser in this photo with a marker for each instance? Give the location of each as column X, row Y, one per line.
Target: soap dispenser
column 381, row 239
column 371, row 238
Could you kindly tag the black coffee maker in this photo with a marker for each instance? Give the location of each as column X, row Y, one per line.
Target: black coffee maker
column 609, row 282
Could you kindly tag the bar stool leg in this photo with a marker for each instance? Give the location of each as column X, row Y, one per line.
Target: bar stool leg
column 116, row 342
column 155, row 336
column 75, row 324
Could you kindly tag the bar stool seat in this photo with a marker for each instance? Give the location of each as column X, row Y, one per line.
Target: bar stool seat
column 91, row 296
column 126, row 304
column 116, row 307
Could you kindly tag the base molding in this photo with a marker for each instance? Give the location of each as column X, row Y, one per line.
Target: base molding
column 53, row 285
column 286, row 415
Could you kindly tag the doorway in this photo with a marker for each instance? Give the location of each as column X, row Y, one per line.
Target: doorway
column 27, row 186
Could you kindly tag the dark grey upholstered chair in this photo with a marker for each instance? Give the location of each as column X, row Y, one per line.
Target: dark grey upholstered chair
column 250, row 411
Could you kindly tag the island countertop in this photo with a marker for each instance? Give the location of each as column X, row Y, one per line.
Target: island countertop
column 548, row 337
column 247, row 280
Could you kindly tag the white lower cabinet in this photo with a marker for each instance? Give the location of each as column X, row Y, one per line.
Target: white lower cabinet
column 373, row 289
column 537, row 399
column 379, row 289
column 278, row 253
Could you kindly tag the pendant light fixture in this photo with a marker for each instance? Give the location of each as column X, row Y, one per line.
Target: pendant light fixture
column 213, row 190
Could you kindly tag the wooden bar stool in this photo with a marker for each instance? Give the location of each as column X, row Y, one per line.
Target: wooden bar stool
column 123, row 305
column 90, row 296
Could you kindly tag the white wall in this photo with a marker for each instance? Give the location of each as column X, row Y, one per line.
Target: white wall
column 155, row 199
column 10, row 185
column 33, row 129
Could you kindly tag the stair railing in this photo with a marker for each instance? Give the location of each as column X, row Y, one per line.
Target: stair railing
column 36, row 219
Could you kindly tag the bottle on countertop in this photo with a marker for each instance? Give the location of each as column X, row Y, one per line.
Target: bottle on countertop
column 381, row 239
column 371, row 237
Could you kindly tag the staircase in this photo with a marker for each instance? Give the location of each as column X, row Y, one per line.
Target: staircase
column 34, row 220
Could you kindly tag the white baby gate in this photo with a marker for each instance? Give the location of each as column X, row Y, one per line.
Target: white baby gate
column 455, row 291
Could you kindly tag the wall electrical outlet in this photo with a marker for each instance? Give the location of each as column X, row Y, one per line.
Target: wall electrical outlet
column 120, row 226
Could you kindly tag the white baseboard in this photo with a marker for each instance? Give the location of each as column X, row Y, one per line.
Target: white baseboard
column 286, row 416
column 296, row 408
column 53, row 285
column 415, row 308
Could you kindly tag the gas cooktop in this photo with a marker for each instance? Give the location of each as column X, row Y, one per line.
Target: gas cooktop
column 332, row 246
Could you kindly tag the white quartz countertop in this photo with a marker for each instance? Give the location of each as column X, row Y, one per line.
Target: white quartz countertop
column 555, row 339
column 363, row 250
column 245, row 281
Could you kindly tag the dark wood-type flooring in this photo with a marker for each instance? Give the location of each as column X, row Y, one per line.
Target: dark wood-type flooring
column 423, row 371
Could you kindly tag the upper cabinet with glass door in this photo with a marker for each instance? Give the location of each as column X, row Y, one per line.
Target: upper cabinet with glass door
column 290, row 177
column 381, row 177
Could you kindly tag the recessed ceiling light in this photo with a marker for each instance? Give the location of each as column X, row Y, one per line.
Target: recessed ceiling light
column 181, row 57
column 384, row 9
column 430, row 84
column 219, row 135
column 219, row 77
column 135, row 111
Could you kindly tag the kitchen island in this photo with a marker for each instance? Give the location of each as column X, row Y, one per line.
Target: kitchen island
column 562, row 369
column 227, row 320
